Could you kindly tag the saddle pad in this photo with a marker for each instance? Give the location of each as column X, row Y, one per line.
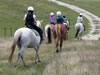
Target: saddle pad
column 36, row 33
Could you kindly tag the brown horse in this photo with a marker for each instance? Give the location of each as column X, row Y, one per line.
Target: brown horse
column 59, row 33
column 50, row 28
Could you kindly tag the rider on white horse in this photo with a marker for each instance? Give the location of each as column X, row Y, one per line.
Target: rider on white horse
column 30, row 21
column 80, row 19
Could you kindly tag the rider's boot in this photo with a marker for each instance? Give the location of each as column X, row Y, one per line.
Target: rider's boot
column 41, row 36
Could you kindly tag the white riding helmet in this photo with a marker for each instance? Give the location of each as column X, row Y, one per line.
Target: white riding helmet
column 30, row 8
column 51, row 14
column 81, row 14
column 58, row 13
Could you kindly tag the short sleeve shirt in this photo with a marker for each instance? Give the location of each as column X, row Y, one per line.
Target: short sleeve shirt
column 34, row 16
column 79, row 19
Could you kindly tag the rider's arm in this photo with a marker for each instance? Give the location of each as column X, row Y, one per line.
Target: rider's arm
column 34, row 16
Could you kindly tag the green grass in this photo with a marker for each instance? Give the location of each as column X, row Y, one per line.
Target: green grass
column 46, row 55
column 12, row 13
column 78, row 58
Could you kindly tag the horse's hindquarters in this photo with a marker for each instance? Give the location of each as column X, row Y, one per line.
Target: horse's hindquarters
column 28, row 37
column 60, row 35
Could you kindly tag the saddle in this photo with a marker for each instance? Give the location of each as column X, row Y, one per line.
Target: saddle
column 36, row 33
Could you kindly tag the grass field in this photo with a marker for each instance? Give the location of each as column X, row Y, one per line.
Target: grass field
column 12, row 13
column 76, row 57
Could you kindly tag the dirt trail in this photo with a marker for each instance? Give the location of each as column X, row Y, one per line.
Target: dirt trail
column 5, row 44
column 94, row 20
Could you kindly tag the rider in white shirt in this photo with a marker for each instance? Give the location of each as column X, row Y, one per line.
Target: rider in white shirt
column 80, row 19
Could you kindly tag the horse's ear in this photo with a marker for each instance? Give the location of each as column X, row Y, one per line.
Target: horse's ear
column 41, row 21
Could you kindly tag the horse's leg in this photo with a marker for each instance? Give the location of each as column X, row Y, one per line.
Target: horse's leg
column 80, row 36
column 37, row 54
column 57, row 44
column 61, row 42
column 19, row 46
column 23, row 60
column 38, row 50
column 20, row 54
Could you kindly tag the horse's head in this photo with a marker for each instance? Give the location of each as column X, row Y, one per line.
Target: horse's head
column 38, row 23
column 66, row 25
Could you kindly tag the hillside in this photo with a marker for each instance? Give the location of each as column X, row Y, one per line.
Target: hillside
column 12, row 13
column 76, row 58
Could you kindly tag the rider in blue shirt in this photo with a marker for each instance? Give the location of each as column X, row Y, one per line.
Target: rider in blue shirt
column 59, row 18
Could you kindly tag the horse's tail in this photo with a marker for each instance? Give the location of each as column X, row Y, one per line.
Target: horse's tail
column 49, row 35
column 77, row 32
column 16, row 38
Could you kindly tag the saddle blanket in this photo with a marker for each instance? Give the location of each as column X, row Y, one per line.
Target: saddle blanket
column 36, row 33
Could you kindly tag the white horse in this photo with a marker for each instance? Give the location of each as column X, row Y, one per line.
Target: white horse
column 24, row 38
column 48, row 32
column 79, row 28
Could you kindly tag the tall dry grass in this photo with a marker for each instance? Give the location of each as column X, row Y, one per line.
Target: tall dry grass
column 77, row 58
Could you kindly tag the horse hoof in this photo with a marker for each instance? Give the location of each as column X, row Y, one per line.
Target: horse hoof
column 39, row 61
column 24, row 65
column 15, row 66
column 57, row 51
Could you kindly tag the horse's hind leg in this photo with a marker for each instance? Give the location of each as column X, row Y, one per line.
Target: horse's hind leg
column 37, row 55
column 61, row 42
column 80, row 36
column 23, row 60
column 57, row 43
column 20, row 54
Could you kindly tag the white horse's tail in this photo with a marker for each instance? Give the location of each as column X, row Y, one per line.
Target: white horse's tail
column 16, row 38
column 49, row 35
